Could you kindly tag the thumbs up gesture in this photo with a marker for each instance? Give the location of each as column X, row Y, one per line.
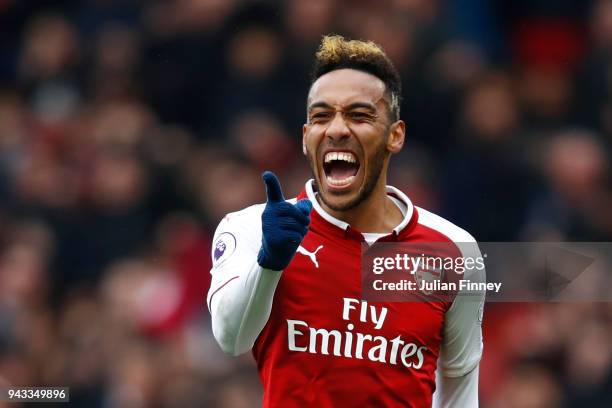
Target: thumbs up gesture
column 283, row 226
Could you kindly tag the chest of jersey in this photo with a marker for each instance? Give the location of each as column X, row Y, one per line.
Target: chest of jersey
column 321, row 337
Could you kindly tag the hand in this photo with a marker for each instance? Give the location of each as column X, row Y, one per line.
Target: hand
column 283, row 226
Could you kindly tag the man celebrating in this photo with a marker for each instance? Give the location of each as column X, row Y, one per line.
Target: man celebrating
column 286, row 278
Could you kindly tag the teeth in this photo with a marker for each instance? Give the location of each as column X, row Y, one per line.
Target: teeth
column 341, row 182
column 343, row 156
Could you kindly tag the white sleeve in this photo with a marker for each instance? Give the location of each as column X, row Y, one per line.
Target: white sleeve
column 461, row 350
column 456, row 392
column 241, row 292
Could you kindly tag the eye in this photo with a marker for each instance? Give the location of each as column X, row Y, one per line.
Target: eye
column 319, row 117
column 361, row 116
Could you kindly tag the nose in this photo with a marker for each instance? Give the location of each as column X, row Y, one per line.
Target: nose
column 338, row 129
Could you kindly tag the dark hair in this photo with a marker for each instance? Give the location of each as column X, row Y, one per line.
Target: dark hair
column 336, row 52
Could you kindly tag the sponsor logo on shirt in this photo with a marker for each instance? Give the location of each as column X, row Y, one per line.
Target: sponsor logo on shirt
column 350, row 344
column 311, row 255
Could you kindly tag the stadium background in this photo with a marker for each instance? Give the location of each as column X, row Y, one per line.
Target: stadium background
column 128, row 128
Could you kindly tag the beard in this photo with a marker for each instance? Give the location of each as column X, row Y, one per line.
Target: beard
column 371, row 177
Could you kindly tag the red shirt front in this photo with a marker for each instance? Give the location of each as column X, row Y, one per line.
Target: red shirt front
column 322, row 345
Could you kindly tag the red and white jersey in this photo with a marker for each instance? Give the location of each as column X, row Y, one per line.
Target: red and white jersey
column 316, row 343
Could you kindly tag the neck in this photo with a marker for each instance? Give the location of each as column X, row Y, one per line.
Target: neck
column 377, row 213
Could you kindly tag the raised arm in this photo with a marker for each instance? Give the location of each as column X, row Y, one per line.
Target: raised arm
column 250, row 249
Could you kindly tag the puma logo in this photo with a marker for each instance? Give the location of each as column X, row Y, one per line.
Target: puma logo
column 311, row 255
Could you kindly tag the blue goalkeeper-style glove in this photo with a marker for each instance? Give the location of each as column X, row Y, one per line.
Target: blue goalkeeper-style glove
column 283, row 226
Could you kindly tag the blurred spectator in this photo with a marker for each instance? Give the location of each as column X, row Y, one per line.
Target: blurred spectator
column 50, row 49
column 488, row 164
column 573, row 206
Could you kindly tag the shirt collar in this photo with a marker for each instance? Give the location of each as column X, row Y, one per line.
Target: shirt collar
column 310, row 193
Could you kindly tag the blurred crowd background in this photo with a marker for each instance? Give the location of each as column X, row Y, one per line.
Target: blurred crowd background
column 129, row 128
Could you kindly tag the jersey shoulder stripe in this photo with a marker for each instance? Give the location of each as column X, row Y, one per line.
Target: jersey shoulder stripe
column 443, row 226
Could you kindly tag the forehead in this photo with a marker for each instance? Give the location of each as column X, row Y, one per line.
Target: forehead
column 345, row 86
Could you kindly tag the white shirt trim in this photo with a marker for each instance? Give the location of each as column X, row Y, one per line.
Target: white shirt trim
column 394, row 192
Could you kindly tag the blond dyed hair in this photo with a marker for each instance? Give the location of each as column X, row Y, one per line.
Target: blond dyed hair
column 336, row 52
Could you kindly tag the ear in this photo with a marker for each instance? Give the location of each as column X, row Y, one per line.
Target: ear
column 304, row 132
column 397, row 133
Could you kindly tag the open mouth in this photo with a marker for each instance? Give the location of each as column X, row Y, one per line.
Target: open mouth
column 340, row 168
